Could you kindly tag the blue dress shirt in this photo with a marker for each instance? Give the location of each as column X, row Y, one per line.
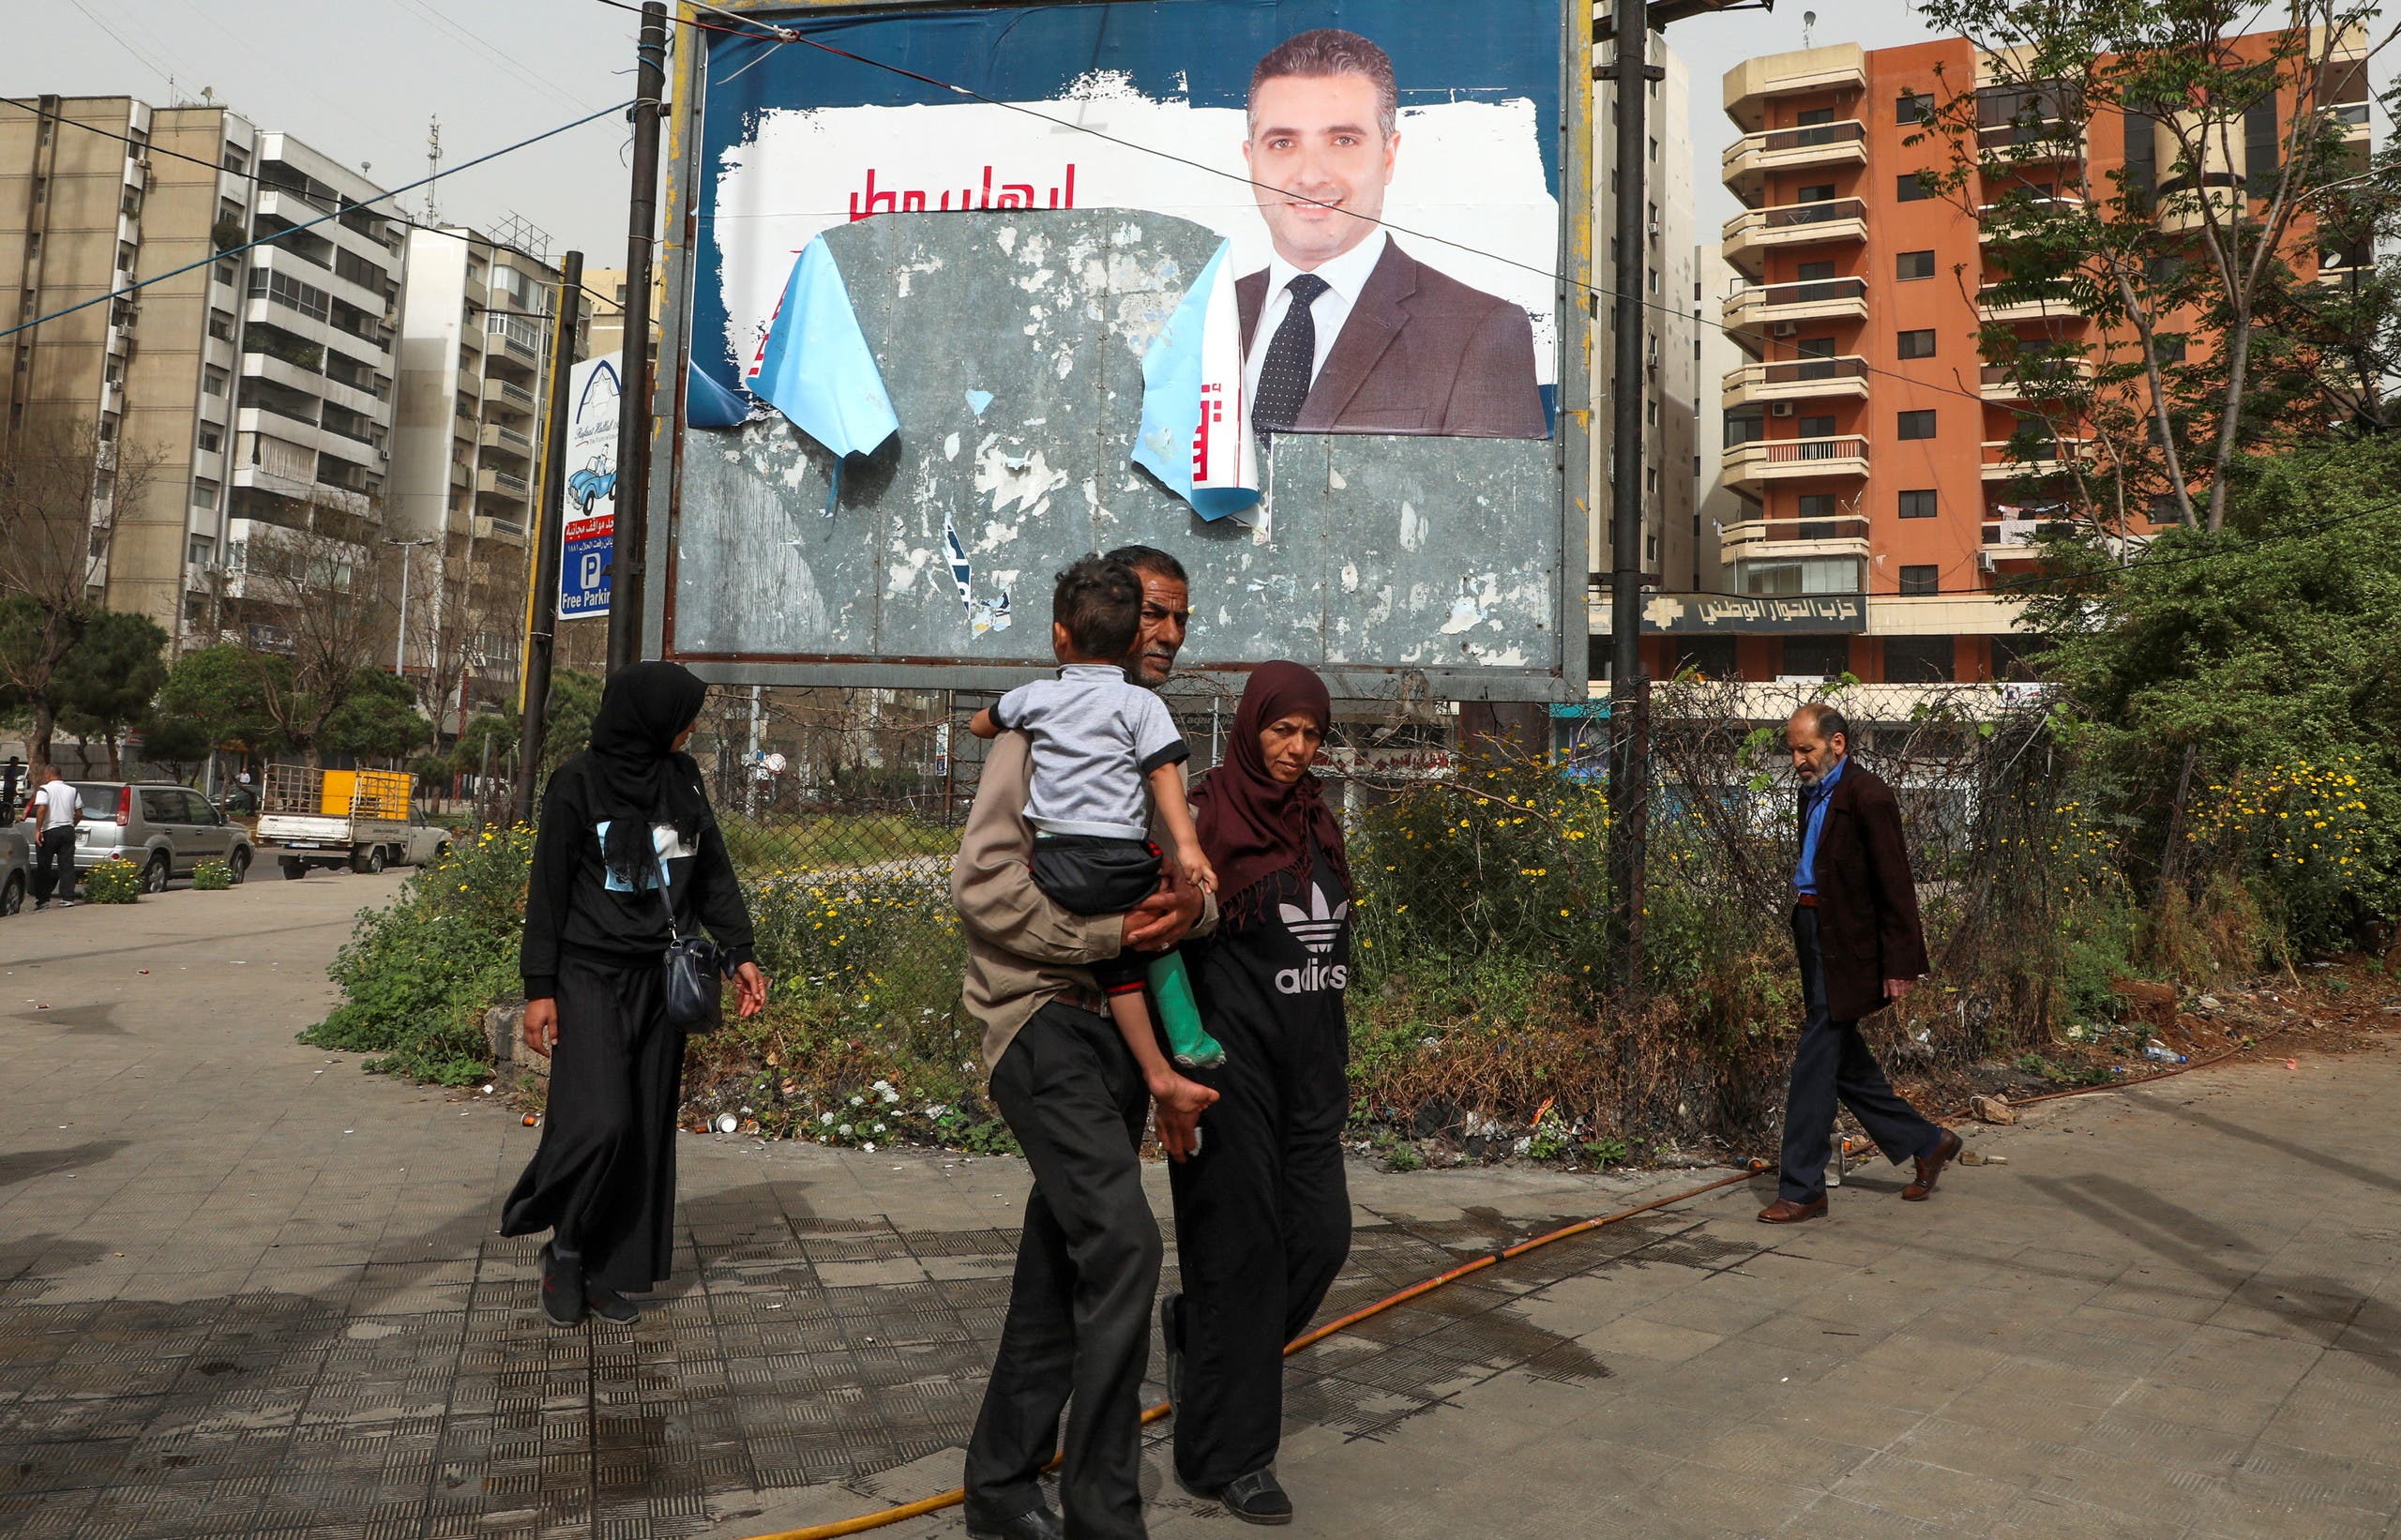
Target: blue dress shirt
column 1804, row 875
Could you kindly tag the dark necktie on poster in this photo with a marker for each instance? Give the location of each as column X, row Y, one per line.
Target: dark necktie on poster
column 1292, row 359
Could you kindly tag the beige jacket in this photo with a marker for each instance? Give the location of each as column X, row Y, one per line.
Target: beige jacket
column 1023, row 950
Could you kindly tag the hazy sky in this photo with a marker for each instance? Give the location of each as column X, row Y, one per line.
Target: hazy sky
column 359, row 79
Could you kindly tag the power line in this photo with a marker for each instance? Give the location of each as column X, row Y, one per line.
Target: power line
column 266, row 240
column 490, row 51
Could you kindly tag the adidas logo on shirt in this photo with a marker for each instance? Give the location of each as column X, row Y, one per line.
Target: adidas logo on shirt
column 1316, row 929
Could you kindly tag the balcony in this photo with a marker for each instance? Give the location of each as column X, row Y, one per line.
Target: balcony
column 2015, row 540
column 2351, row 119
column 1784, row 460
column 2039, row 308
column 1744, row 166
column 2045, row 380
column 1810, row 71
column 507, row 441
column 508, row 395
column 501, row 484
column 506, row 530
column 1796, row 378
column 1767, row 307
column 1750, row 234
column 2059, row 455
column 1759, row 540
column 1989, row 216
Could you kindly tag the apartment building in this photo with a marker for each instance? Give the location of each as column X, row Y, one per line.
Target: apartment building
column 1869, row 446
column 256, row 387
column 1662, row 278
column 476, row 335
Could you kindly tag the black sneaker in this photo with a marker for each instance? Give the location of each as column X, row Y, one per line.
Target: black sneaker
column 1172, row 1338
column 1258, row 1498
column 611, row 1306
column 563, row 1291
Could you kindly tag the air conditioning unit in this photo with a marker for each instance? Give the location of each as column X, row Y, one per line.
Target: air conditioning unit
column 1788, row 328
column 1780, row 409
column 1984, row 561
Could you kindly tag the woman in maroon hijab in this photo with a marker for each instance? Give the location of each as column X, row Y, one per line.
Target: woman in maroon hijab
column 1262, row 1215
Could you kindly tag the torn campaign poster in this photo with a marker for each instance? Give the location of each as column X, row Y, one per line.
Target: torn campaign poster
column 814, row 365
column 1195, row 432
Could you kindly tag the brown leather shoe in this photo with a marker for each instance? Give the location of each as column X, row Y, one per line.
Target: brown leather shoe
column 1929, row 1168
column 1784, row 1211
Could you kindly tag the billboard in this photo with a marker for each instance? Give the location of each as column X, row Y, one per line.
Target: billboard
column 1273, row 285
column 588, row 511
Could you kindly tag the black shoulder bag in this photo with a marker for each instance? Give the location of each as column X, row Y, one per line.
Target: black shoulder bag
column 696, row 972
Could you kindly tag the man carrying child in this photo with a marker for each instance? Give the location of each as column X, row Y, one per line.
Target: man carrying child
column 1074, row 1083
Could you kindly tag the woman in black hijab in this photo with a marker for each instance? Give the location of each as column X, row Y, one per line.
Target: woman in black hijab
column 1263, row 1213
column 621, row 820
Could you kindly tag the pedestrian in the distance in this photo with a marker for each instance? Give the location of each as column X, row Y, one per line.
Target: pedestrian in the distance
column 12, row 786
column 56, row 806
column 1263, row 1213
column 620, row 821
column 1855, row 926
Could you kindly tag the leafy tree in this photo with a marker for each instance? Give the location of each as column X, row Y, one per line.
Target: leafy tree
column 61, row 486
column 377, row 717
column 2224, row 668
column 2210, row 336
column 213, row 696
column 105, row 686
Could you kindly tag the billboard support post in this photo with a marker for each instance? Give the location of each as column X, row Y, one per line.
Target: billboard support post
column 1628, row 774
column 549, row 526
column 633, row 428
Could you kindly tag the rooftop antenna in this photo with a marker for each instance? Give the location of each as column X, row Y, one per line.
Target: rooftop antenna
column 1808, row 25
column 432, row 166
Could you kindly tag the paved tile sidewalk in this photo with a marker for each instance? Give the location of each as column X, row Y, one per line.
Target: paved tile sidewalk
column 244, row 1289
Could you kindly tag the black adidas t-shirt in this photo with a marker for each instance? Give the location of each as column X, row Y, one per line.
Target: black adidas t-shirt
column 1290, row 962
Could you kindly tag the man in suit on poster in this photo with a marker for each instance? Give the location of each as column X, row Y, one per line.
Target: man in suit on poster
column 1343, row 331
column 1855, row 928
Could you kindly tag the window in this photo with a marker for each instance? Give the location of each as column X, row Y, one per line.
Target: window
column 1818, row 428
column 201, row 550
column 2171, row 349
column 1913, row 265
column 236, row 160
column 1909, row 187
column 125, row 256
column 1816, row 505
column 1920, row 659
column 1811, row 117
column 211, row 438
column 108, row 428
column 1920, row 579
column 220, row 325
column 1823, row 193
column 1917, row 344
column 1745, row 428
column 1816, row 657
column 1815, row 272
column 1918, row 504
column 1913, row 107
column 213, row 380
column 1653, row 409
column 131, row 204
column 229, row 271
column 204, row 495
column 1917, row 425
column 1711, row 657
column 2259, row 144
column 2164, row 509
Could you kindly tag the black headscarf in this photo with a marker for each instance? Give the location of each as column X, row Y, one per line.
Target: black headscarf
column 1254, row 827
column 639, row 778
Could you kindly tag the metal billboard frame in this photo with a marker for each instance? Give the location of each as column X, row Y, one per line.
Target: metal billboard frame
column 1575, row 437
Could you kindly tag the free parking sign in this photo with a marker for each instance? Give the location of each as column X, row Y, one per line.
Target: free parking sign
column 588, row 522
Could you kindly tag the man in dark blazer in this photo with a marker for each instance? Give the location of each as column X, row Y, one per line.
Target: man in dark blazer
column 1855, row 926
column 1344, row 332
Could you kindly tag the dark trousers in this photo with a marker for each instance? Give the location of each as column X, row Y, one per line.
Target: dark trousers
column 55, row 865
column 1262, row 1224
column 603, row 1181
column 1078, row 1335
column 1833, row 1062
column 1093, row 874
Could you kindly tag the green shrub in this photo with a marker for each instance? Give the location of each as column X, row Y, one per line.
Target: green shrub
column 417, row 976
column 211, row 877
column 114, row 881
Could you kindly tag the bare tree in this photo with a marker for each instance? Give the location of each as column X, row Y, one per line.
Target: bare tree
column 321, row 610
column 61, row 486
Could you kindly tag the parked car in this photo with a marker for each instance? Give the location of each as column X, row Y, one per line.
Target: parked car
column 426, row 844
column 166, row 830
column 16, row 867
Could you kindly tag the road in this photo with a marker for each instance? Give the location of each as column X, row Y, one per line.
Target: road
column 245, row 1290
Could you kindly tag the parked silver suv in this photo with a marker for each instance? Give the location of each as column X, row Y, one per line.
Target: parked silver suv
column 165, row 829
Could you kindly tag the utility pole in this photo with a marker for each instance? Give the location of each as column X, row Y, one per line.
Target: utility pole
column 550, row 505
column 1631, row 74
column 626, row 576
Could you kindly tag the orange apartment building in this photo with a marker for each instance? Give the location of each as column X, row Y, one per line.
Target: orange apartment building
column 1864, row 437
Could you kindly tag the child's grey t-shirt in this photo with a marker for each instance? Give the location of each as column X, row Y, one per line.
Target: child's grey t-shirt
column 1094, row 736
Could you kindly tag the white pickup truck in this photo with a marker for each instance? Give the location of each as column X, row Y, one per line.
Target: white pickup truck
column 358, row 819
